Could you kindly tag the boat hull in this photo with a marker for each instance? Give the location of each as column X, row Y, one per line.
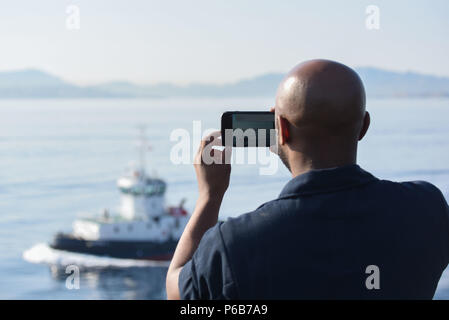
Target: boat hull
column 142, row 250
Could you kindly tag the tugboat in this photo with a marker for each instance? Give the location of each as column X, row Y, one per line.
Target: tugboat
column 143, row 228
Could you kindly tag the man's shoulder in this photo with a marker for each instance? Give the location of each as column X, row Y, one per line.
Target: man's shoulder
column 418, row 201
column 255, row 224
column 423, row 186
column 273, row 213
column 262, row 214
column 417, row 189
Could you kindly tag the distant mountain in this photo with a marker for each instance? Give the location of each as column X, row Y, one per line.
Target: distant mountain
column 379, row 83
column 383, row 83
column 264, row 85
column 33, row 83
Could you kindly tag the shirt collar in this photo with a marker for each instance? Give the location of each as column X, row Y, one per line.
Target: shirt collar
column 327, row 180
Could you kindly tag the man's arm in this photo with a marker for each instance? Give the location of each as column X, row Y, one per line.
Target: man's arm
column 212, row 171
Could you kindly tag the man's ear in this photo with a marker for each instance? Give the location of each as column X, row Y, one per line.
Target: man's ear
column 365, row 126
column 284, row 130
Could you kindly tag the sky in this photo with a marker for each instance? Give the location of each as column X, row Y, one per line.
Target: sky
column 183, row 42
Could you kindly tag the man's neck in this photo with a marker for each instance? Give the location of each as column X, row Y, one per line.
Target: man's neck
column 300, row 164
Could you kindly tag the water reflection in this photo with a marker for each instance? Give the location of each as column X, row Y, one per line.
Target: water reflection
column 133, row 283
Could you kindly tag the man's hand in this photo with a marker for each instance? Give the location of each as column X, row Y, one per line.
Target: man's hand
column 213, row 170
column 212, row 167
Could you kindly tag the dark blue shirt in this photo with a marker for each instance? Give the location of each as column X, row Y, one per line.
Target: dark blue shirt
column 318, row 238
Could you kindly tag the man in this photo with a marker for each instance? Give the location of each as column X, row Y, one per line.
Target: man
column 335, row 232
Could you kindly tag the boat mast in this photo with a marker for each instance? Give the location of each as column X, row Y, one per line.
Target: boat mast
column 143, row 147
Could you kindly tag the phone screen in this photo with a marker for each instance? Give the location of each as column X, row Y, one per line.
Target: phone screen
column 248, row 128
column 248, row 121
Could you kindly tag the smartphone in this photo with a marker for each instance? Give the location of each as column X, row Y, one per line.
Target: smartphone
column 248, row 129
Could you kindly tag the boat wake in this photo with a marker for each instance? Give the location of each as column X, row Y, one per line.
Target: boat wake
column 42, row 253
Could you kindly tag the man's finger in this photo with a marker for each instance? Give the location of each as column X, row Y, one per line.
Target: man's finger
column 211, row 152
column 210, row 138
column 227, row 154
column 203, row 143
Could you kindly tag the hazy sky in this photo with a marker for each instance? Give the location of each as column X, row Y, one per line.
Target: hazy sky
column 217, row 41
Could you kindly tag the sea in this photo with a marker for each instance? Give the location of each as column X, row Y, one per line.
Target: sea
column 60, row 159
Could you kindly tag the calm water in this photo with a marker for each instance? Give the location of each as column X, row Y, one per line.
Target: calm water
column 61, row 158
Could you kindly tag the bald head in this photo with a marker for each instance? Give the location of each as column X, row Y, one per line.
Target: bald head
column 323, row 105
column 321, row 94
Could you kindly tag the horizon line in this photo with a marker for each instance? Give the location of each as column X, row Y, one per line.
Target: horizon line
column 64, row 79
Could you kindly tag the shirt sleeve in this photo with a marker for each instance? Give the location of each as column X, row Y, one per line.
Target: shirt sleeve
column 440, row 204
column 208, row 274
